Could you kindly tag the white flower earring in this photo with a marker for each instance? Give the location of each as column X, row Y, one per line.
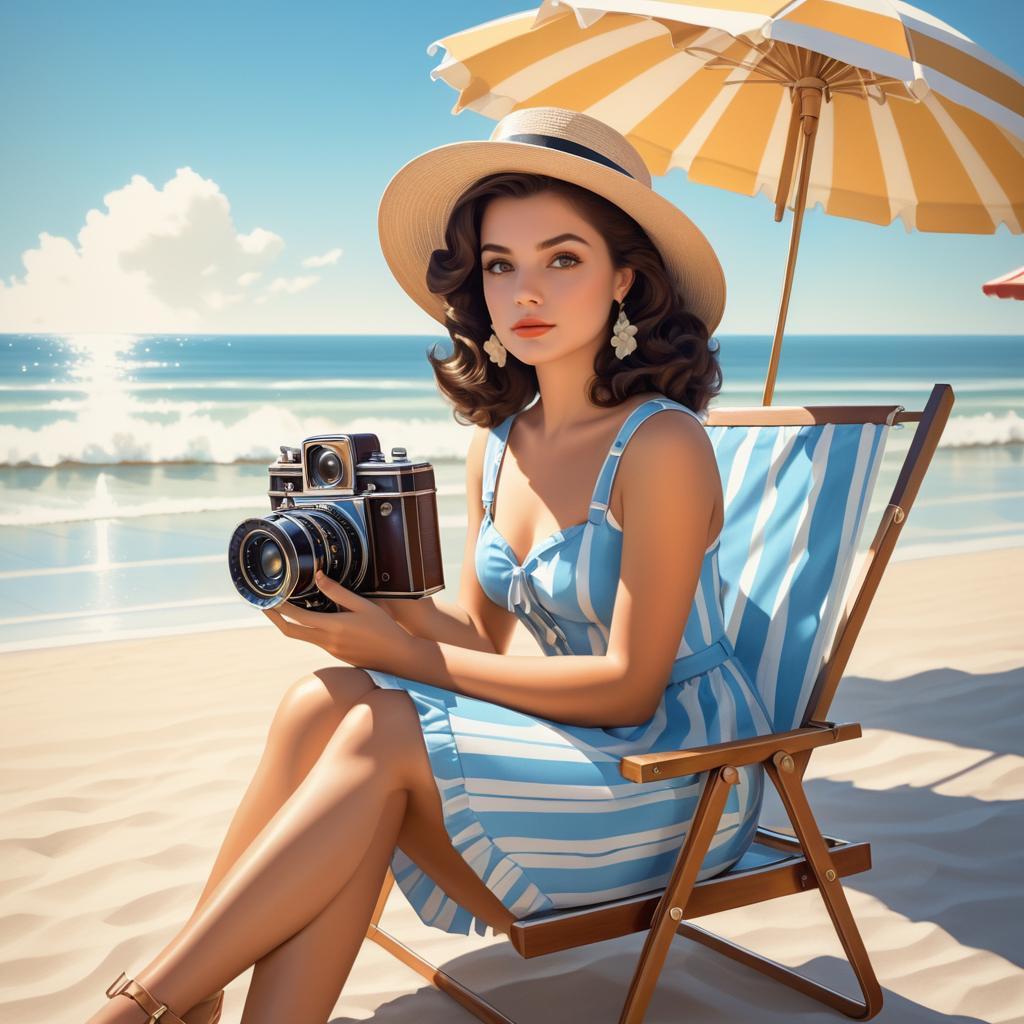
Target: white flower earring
column 623, row 334
column 494, row 348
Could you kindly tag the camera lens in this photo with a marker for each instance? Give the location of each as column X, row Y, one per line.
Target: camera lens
column 328, row 468
column 273, row 559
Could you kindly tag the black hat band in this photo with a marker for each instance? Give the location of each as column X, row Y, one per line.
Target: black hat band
column 566, row 146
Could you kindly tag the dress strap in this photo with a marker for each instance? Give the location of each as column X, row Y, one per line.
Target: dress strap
column 602, row 491
column 493, row 452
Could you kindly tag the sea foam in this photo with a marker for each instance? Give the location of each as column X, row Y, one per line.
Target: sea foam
column 111, row 437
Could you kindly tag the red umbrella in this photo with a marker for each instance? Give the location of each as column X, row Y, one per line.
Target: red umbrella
column 1009, row 286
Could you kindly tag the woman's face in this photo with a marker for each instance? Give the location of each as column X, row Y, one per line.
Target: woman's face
column 530, row 270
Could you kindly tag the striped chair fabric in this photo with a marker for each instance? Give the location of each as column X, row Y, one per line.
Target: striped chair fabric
column 796, row 498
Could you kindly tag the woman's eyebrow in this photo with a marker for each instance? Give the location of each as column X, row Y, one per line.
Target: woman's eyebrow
column 557, row 240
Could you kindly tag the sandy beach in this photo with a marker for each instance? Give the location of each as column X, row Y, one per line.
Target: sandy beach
column 122, row 763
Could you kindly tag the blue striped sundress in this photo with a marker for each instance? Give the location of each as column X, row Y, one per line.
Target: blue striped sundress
column 539, row 808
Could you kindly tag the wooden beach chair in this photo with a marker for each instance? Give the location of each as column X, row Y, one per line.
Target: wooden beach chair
column 797, row 484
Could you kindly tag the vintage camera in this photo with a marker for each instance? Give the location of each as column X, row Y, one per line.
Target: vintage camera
column 341, row 507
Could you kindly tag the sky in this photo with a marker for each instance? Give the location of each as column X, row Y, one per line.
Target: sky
column 216, row 167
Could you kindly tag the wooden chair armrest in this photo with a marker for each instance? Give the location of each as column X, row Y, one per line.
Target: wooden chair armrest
column 671, row 764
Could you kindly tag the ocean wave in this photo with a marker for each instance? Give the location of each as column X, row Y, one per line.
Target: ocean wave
column 313, row 384
column 356, row 405
column 986, row 430
column 118, row 435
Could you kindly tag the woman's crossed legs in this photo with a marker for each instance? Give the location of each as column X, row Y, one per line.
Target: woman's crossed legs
column 343, row 780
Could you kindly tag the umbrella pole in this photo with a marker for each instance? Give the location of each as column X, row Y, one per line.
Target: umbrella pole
column 806, row 105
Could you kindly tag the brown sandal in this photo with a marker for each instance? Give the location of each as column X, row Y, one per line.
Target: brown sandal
column 158, row 1012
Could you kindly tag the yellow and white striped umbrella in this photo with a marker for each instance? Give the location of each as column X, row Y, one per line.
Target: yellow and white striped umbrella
column 901, row 115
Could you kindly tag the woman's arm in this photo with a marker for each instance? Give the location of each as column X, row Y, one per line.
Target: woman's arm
column 578, row 689
column 431, row 619
column 672, row 513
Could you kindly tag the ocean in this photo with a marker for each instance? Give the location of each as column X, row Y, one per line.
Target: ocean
column 127, row 461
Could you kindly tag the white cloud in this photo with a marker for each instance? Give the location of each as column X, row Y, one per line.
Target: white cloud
column 291, row 285
column 159, row 259
column 328, row 259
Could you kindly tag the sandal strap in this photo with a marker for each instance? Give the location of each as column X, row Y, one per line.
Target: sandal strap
column 158, row 1012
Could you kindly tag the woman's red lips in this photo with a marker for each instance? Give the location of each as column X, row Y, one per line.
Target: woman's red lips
column 531, row 327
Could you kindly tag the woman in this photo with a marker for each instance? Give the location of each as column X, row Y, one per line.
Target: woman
column 490, row 782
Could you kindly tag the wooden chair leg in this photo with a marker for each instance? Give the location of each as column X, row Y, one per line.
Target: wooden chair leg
column 786, row 778
column 677, row 892
column 385, row 891
column 465, row 997
column 785, row 774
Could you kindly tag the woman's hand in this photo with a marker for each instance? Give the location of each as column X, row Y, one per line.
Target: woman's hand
column 392, row 605
column 364, row 635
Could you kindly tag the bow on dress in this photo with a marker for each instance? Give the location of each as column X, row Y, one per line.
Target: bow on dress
column 520, row 594
column 519, row 591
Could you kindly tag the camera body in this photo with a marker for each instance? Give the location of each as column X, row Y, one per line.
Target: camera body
column 339, row 506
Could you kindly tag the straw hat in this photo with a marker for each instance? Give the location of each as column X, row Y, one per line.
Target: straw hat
column 566, row 144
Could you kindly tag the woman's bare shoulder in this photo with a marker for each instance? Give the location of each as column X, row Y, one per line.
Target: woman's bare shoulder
column 475, row 452
column 671, row 434
column 671, row 443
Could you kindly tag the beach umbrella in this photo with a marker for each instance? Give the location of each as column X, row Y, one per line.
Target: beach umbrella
column 872, row 108
column 1009, row 286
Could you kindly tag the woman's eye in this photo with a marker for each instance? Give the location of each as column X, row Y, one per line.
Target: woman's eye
column 561, row 256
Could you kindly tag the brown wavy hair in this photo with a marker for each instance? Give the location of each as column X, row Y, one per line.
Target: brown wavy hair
column 673, row 355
